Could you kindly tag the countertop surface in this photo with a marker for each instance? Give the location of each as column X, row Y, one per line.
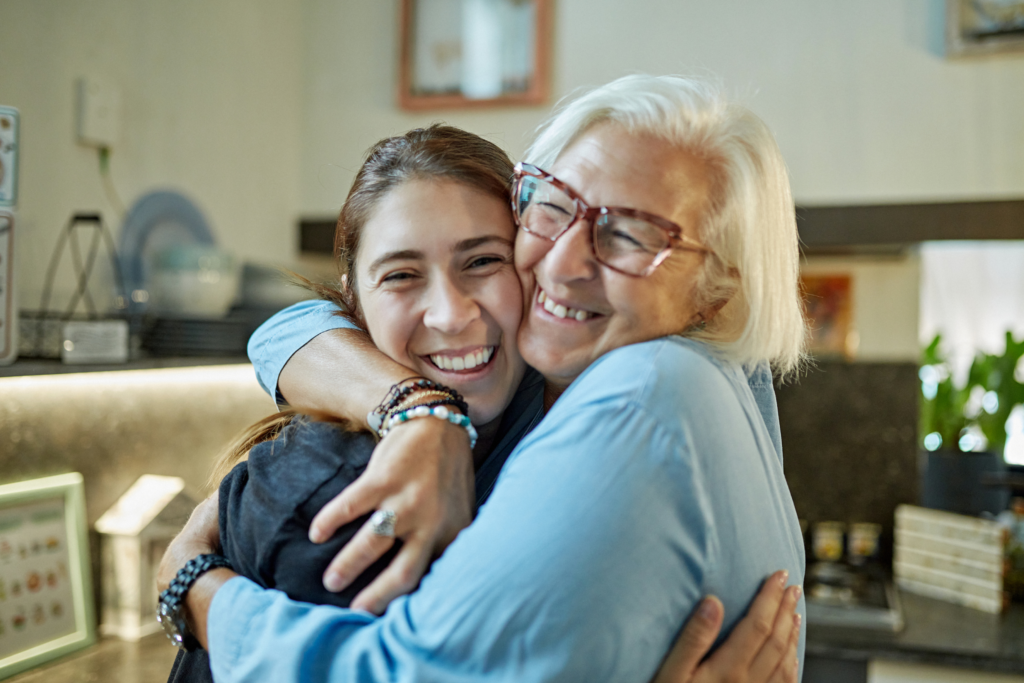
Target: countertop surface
column 936, row 632
column 147, row 661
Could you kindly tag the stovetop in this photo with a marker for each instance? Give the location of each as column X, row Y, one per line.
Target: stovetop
column 852, row 597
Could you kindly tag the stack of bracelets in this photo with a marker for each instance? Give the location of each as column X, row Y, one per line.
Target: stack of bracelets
column 420, row 397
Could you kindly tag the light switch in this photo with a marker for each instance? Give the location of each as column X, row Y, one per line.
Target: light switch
column 98, row 112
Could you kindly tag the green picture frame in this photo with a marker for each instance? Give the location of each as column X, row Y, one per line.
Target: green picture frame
column 46, row 598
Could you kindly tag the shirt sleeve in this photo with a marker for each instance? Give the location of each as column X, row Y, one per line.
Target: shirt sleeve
column 287, row 331
column 582, row 565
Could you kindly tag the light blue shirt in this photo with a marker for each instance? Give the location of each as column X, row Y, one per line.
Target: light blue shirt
column 277, row 340
column 653, row 481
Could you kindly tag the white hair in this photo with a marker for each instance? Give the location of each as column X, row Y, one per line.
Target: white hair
column 750, row 226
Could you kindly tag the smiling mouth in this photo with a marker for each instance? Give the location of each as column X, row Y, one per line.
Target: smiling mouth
column 472, row 361
column 560, row 311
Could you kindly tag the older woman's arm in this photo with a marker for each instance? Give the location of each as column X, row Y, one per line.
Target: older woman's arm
column 313, row 359
column 762, row 648
column 599, row 539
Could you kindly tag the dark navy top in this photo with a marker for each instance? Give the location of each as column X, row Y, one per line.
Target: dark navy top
column 268, row 502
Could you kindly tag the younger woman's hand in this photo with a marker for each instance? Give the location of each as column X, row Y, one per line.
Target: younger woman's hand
column 761, row 649
column 423, row 472
column 201, row 535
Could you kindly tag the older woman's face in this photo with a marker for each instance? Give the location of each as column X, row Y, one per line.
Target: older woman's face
column 608, row 166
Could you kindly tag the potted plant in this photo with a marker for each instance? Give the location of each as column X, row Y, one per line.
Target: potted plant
column 963, row 428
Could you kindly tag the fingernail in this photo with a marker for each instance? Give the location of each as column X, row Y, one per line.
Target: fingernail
column 314, row 534
column 707, row 609
column 332, row 582
column 797, row 592
column 796, row 620
column 783, row 578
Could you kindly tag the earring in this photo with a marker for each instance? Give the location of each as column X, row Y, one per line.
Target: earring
column 702, row 324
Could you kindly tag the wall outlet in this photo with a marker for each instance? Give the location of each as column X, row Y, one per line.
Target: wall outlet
column 8, row 156
column 98, row 112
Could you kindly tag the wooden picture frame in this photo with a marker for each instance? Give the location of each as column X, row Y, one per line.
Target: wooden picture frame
column 511, row 41
column 828, row 305
column 983, row 27
column 46, row 599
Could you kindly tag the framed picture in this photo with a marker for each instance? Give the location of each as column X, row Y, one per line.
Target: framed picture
column 828, row 304
column 46, row 602
column 978, row 27
column 473, row 53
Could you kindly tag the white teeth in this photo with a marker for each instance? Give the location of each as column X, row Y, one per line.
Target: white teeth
column 561, row 311
column 467, row 362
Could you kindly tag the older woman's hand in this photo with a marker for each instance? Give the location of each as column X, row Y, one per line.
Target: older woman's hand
column 761, row 649
column 423, row 472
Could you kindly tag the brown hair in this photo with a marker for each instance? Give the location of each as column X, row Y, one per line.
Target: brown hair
column 438, row 152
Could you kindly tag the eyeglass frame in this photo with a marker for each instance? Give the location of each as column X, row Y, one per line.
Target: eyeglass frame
column 590, row 213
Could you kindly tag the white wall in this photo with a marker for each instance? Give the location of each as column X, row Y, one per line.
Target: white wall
column 886, row 301
column 262, row 109
column 865, row 106
column 212, row 101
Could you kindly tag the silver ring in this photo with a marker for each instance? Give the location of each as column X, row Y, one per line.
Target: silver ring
column 382, row 522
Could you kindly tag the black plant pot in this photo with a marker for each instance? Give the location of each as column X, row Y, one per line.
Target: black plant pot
column 951, row 481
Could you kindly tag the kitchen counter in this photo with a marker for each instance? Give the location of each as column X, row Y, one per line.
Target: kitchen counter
column 146, row 661
column 937, row 633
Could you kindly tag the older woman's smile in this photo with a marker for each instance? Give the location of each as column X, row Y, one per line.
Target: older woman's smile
column 562, row 310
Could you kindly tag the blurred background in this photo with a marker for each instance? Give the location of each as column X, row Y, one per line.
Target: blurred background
column 220, row 138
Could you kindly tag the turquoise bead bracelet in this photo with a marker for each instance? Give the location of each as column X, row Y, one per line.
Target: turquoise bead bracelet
column 440, row 412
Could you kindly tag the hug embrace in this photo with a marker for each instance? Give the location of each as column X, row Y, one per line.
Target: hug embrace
column 571, row 399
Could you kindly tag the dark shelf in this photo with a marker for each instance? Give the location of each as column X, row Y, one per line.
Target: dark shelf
column 885, row 228
column 854, row 229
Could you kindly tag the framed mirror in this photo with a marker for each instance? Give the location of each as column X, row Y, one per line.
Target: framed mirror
column 473, row 53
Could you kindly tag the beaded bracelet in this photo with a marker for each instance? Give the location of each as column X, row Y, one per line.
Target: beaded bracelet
column 439, row 411
column 398, row 393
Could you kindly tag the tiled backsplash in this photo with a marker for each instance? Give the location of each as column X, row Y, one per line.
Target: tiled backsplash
column 849, row 436
column 115, row 426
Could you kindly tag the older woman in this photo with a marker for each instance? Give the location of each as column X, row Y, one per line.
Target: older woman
column 658, row 255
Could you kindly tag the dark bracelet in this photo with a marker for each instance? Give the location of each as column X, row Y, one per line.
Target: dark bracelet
column 171, row 605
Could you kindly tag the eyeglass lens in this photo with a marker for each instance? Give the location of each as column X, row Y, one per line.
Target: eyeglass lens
column 628, row 244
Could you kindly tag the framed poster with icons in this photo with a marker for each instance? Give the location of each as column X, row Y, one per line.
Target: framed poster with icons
column 46, row 603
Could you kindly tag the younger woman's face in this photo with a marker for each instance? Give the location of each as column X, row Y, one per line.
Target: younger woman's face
column 439, row 292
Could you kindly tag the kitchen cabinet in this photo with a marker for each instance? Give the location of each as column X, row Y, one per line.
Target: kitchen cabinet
column 884, row 671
